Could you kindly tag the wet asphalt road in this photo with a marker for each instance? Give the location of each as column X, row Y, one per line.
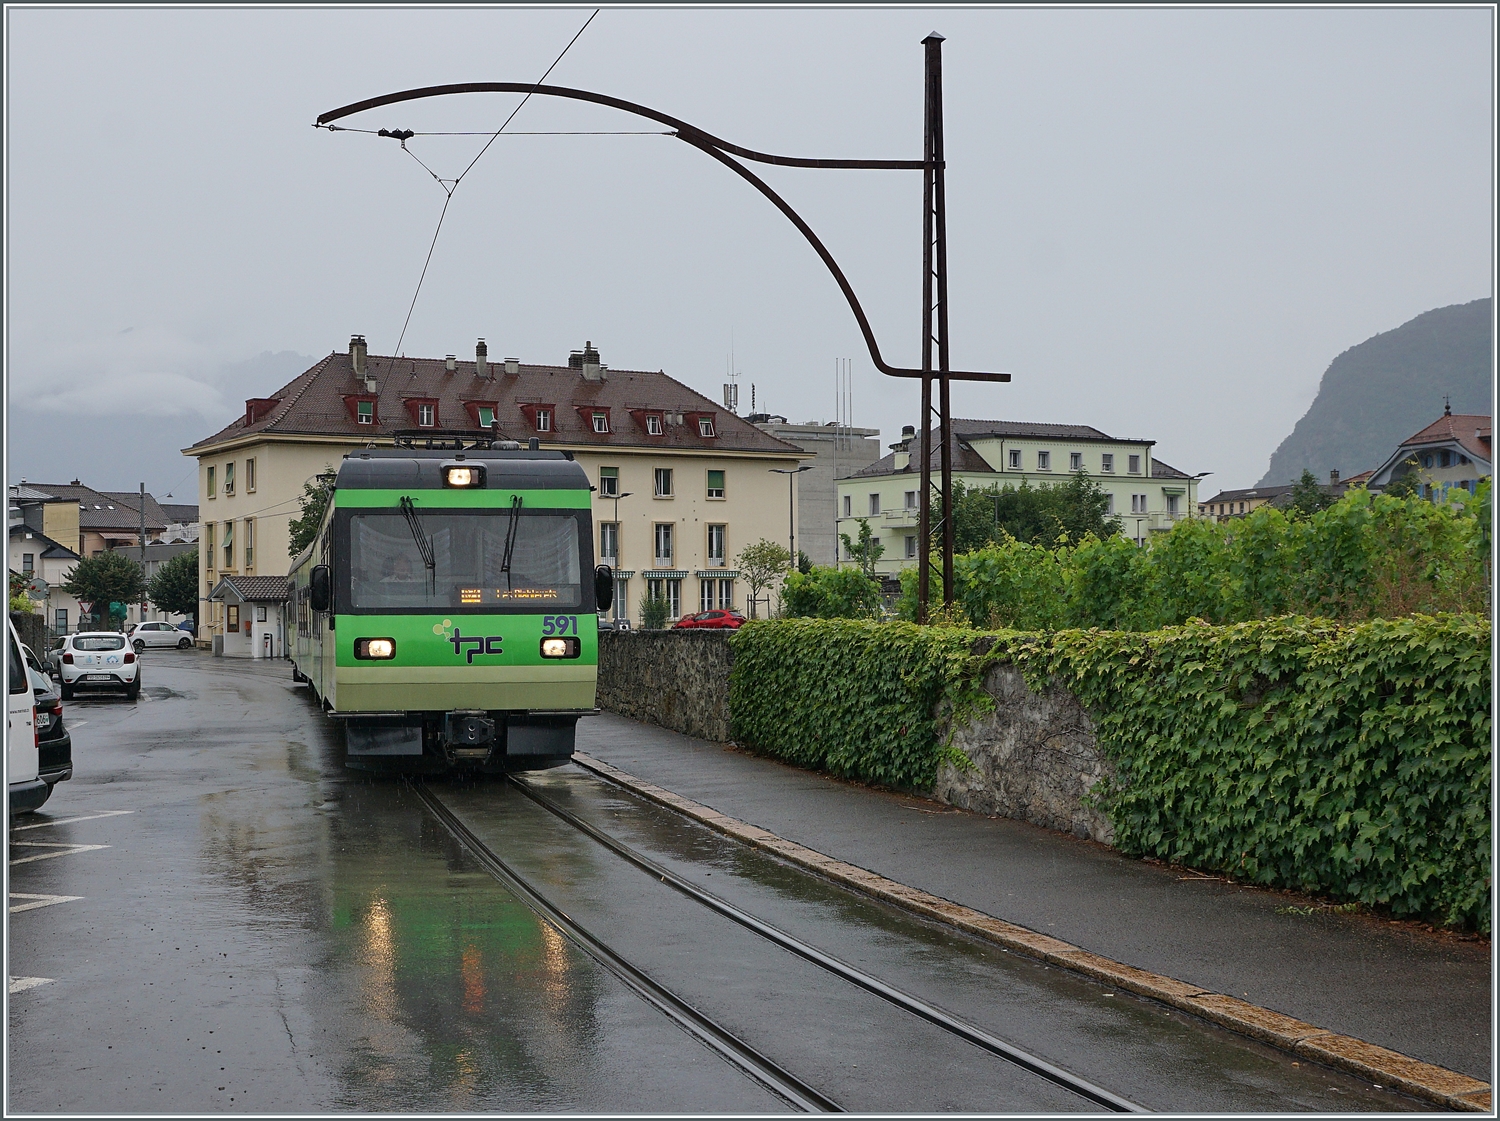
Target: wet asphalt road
column 264, row 931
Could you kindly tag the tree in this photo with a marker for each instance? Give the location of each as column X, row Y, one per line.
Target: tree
column 315, row 495
column 174, row 588
column 761, row 564
column 1405, row 485
column 653, row 613
column 19, row 600
column 804, row 562
column 110, row 577
column 1307, row 497
column 866, row 551
column 1031, row 515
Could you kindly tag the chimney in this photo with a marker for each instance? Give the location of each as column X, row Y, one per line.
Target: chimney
column 1333, row 477
column 512, row 366
column 902, row 447
column 908, row 434
column 587, row 362
column 481, row 360
column 358, row 354
column 450, row 363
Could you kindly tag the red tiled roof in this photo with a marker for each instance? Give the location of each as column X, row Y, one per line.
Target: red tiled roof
column 1471, row 431
column 316, row 403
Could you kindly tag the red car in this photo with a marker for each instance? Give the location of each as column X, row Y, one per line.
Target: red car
column 730, row 620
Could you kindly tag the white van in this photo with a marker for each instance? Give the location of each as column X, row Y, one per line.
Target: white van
column 27, row 790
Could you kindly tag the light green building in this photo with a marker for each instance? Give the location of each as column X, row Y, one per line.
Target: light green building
column 1146, row 494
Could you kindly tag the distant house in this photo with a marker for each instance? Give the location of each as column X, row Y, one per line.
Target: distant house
column 254, row 616
column 1237, row 503
column 47, row 563
column 1451, row 452
column 1146, row 494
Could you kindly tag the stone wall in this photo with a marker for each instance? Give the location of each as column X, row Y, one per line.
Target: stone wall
column 32, row 628
column 677, row 679
column 1034, row 758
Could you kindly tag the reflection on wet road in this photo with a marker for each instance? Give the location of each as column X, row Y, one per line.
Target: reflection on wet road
column 267, row 932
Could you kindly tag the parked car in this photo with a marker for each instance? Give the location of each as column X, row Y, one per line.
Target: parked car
column 614, row 624
column 721, row 619
column 27, row 791
column 54, row 741
column 143, row 635
column 99, row 660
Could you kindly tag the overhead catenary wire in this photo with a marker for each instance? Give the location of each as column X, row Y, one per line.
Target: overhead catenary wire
column 449, row 188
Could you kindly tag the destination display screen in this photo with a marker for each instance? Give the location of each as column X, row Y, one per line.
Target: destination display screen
column 486, row 560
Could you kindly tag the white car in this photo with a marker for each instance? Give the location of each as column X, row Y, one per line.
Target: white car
column 143, row 635
column 99, row 660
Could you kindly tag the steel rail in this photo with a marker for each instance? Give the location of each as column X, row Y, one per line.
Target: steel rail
column 915, row 1005
column 720, row 150
column 734, row 1050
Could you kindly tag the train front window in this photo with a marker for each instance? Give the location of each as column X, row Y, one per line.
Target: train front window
column 387, row 569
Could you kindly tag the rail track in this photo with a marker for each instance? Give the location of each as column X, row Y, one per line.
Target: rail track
column 733, row 1049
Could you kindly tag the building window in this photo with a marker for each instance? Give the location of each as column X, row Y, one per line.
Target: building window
column 707, row 594
column 364, row 412
column 609, row 482
column 1172, row 505
column 209, row 530
column 663, row 544
column 212, row 492
column 1075, row 461
column 249, row 543
column 1137, row 503
column 486, row 416
column 874, row 505
column 28, row 562
column 601, row 423
column 848, row 505
column 1242, row 507
column 1015, row 459
column 609, row 543
column 716, row 484
column 621, row 605
column 705, row 426
column 232, row 617
column 669, row 590
column 1044, row 461
column 726, row 595
column 1135, row 465
column 426, row 415
column 60, row 620
column 663, row 477
column 1107, row 463
column 653, row 425
column 911, row 546
column 911, row 500
column 716, row 550
column 228, row 544
column 544, row 420
column 249, row 476
column 228, row 479
column 260, row 614
column 1109, row 505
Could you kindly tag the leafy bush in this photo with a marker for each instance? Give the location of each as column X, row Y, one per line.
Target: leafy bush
column 1348, row 760
column 854, row 699
column 1366, row 556
column 654, row 613
column 830, row 593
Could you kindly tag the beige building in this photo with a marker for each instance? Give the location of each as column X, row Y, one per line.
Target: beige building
column 1146, row 494
column 681, row 485
column 837, row 452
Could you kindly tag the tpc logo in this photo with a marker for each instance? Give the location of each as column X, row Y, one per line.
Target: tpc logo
column 490, row 644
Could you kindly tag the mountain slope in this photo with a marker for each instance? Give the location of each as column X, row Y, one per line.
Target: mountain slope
column 1378, row 393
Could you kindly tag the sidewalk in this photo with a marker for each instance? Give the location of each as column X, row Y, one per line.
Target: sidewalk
column 1392, row 984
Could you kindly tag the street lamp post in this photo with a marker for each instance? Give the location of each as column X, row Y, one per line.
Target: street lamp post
column 617, row 498
column 934, row 365
column 791, row 507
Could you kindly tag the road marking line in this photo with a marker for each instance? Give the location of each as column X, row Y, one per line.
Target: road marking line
column 21, row 984
column 1365, row 1060
column 41, row 900
column 70, row 820
column 67, row 850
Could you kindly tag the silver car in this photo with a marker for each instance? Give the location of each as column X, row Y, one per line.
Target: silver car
column 143, row 635
column 99, row 660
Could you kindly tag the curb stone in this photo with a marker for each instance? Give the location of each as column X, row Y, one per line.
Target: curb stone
column 1380, row 1065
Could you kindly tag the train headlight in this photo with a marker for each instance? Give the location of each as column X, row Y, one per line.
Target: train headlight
column 376, row 649
column 463, row 475
column 561, row 647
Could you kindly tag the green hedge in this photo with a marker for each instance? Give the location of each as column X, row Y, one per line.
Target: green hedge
column 1346, row 760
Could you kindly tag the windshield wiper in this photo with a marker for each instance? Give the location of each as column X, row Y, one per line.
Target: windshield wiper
column 424, row 546
column 510, row 539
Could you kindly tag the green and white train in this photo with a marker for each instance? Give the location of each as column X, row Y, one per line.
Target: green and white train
column 446, row 611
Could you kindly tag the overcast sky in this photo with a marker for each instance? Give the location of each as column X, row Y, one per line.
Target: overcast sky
column 1164, row 223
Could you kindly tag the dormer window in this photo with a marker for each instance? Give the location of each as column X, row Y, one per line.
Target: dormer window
column 653, row 425
column 544, row 420
column 706, row 426
column 601, row 423
column 364, row 412
column 486, row 416
column 426, row 415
